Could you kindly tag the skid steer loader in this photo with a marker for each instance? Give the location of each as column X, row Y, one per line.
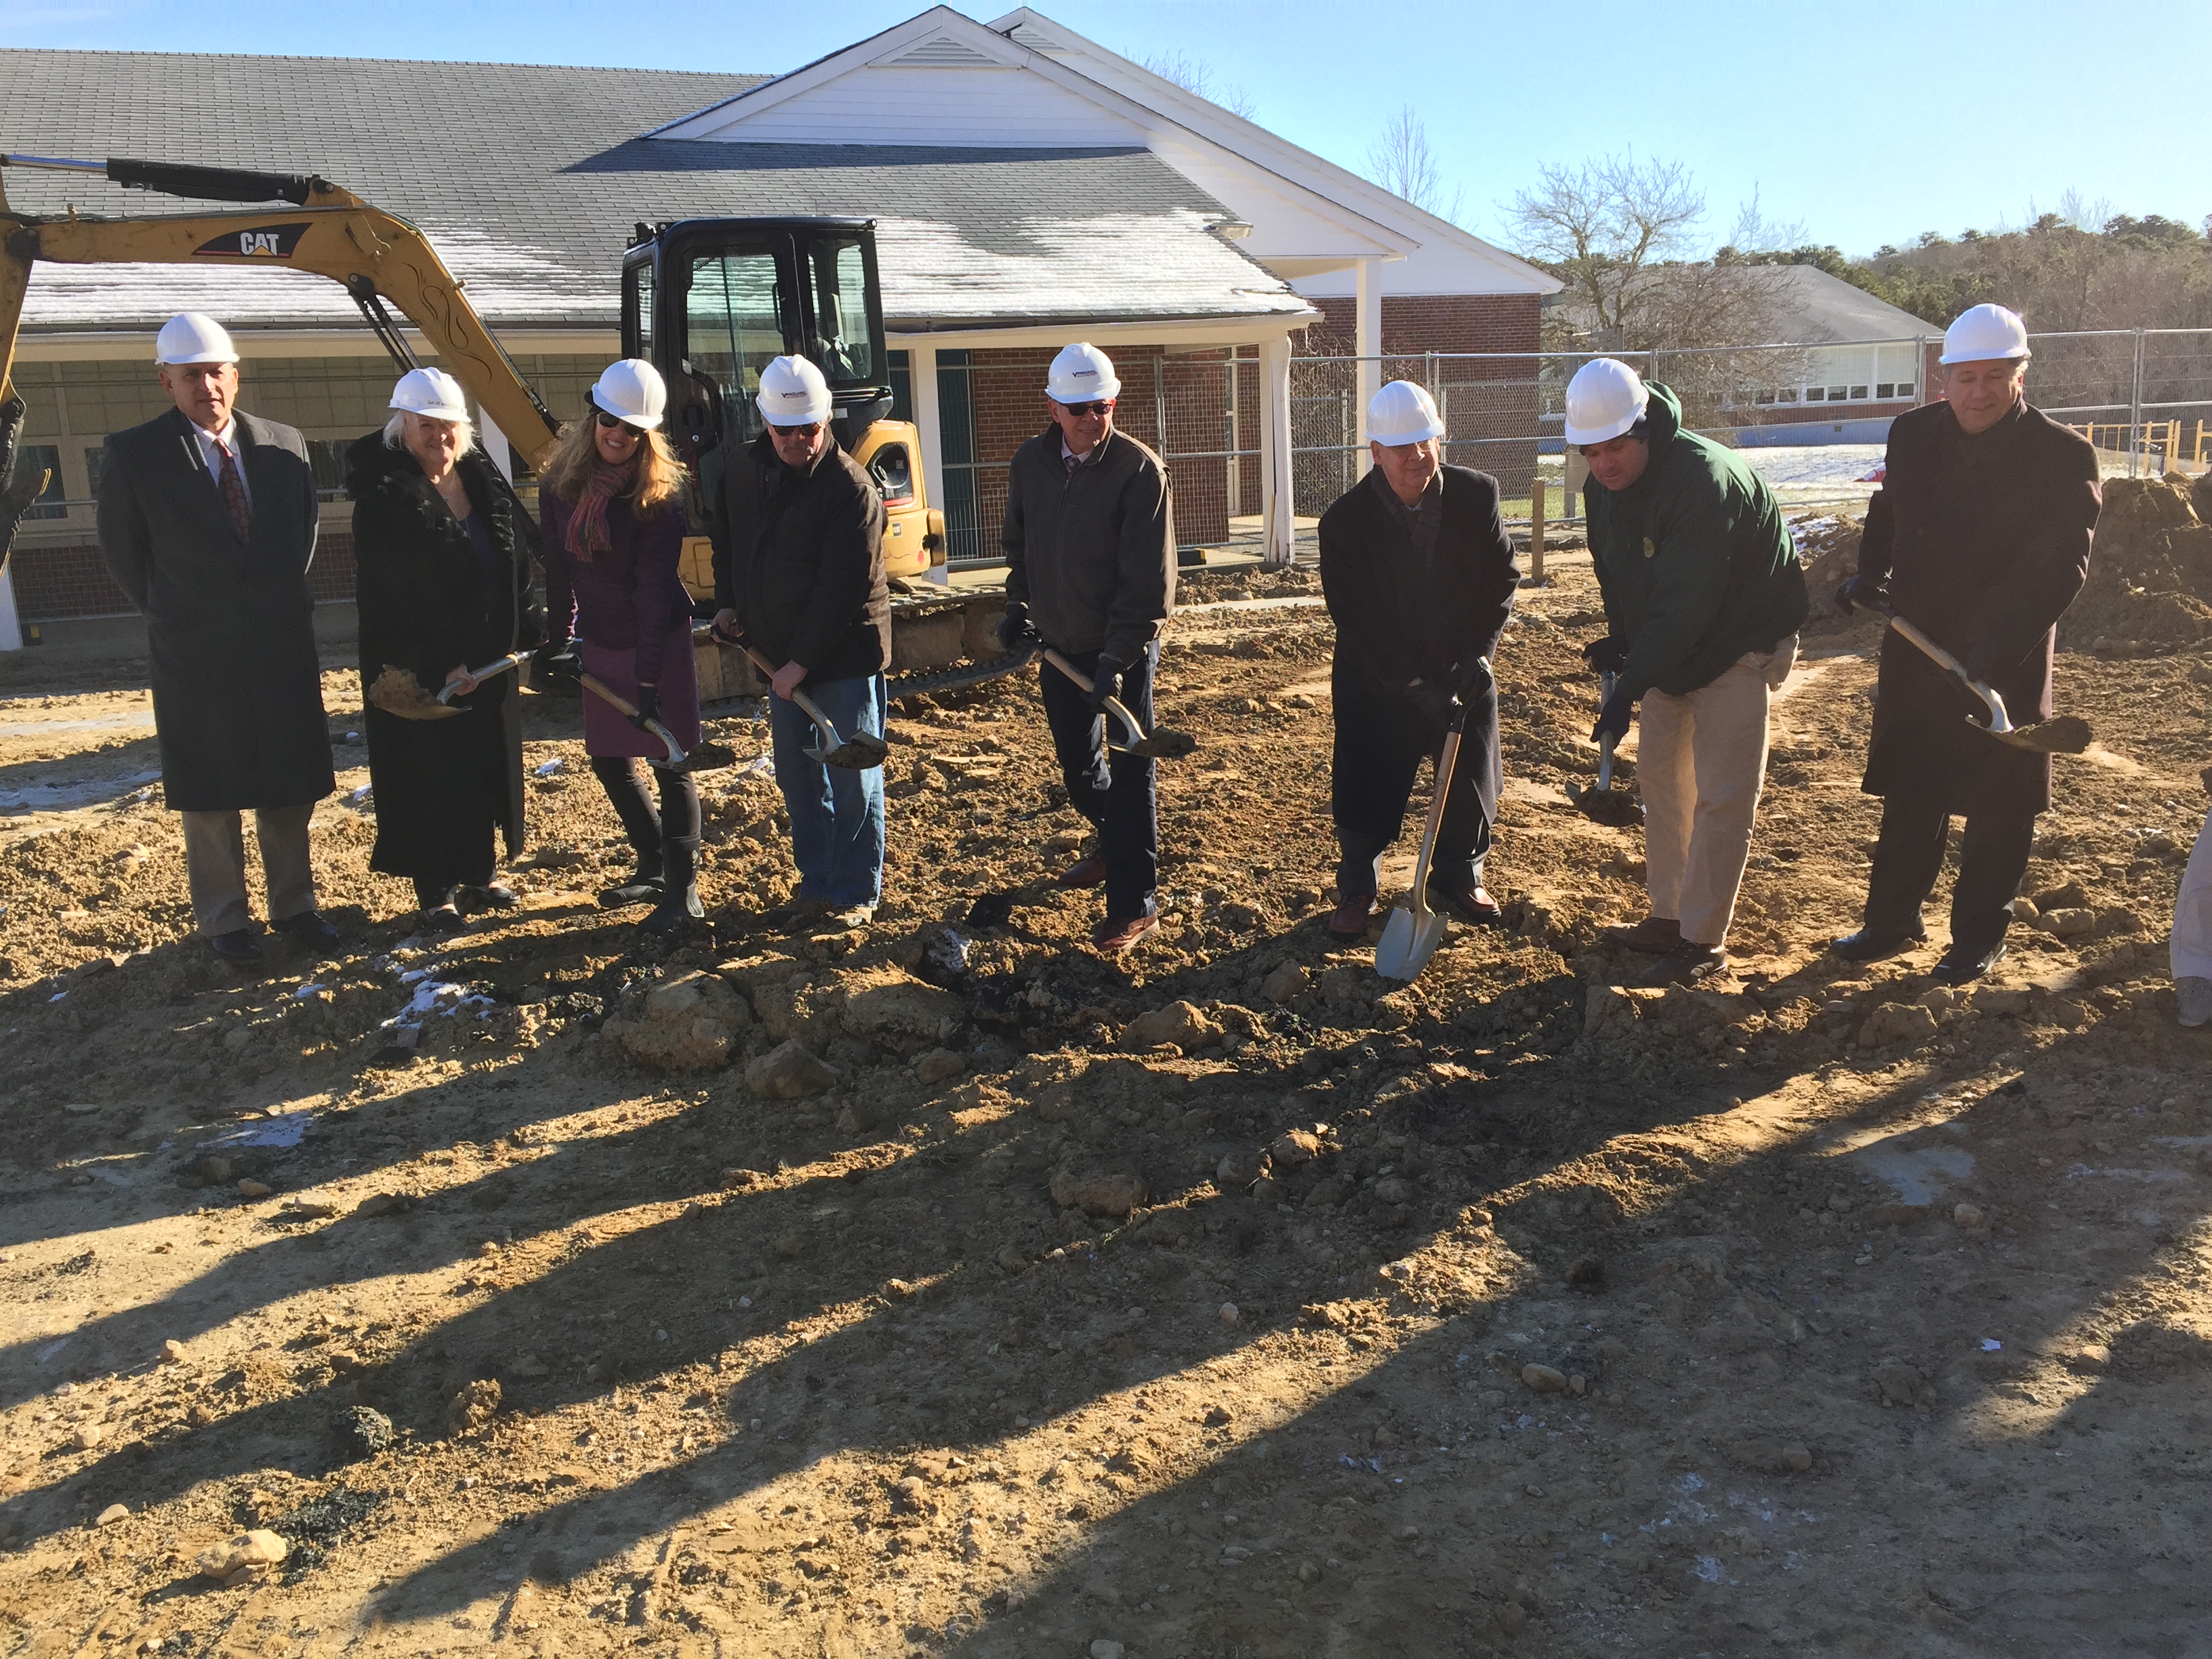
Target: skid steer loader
column 708, row 302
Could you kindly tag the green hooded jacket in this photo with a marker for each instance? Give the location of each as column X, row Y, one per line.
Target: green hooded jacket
column 1695, row 563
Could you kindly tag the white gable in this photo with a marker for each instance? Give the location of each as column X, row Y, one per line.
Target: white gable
column 905, row 103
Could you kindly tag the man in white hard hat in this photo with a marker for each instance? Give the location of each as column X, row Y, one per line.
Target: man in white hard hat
column 208, row 518
column 1090, row 571
column 1704, row 596
column 1420, row 578
column 799, row 571
column 1980, row 536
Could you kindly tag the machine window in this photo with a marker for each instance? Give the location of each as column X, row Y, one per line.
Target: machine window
column 841, row 310
column 893, row 472
column 731, row 329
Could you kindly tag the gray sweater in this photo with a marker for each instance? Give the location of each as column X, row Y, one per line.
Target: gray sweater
column 1092, row 553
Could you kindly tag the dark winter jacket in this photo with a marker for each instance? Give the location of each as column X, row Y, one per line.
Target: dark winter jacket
column 1092, row 553
column 425, row 605
column 799, row 557
column 1695, row 563
column 1395, row 624
column 1983, row 541
column 627, row 597
column 238, row 695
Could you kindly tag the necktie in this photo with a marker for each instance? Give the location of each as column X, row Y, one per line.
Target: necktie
column 1071, row 462
column 233, row 491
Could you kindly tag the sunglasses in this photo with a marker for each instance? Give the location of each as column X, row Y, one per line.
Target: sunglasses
column 606, row 419
column 1104, row 407
column 806, row 431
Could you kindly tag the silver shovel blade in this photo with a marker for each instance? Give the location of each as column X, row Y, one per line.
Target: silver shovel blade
column 1408, row 942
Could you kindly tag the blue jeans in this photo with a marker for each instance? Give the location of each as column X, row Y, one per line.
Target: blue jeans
column 837, row 813
column 1116, row 791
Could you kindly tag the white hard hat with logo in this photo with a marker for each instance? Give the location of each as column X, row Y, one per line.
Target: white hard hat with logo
column 632, row 390
column 1605, row 399
column 1985, row 333
column 432, row 392
column 1082, row 373
column 793, row 393
column 193, row 337
column 1403, row 413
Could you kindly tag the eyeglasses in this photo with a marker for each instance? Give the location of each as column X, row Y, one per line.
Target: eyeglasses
column 606, row 419
column 806, row 431
column 1104, row 407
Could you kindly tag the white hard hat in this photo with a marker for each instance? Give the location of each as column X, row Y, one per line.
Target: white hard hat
column 1082, row 373
column 792, row 393
column 192, row 337
column 1605, row 399
column 431, row 392
column 1403, row 413
column 1984, row 333
column 633, row 391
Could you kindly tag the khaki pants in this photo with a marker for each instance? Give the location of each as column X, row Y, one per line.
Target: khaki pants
column 1700, row 759
column 214, row 865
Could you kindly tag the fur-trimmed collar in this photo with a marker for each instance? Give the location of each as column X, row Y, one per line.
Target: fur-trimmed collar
column 372, row 466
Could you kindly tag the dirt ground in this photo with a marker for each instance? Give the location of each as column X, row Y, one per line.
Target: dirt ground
column 940, row 1289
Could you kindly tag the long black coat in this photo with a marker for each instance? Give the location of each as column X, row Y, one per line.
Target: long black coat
column 426, row 606
column 1984, row 542
column 238, row 691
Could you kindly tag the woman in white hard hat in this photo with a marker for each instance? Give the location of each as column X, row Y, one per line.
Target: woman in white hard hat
column 612, row 508
column 443, row 580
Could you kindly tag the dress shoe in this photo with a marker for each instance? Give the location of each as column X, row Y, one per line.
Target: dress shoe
column 1089, row 870
column 1867, row 946
column 1962, row 964
column 1655, row 936
column 491, row 897
column 1687, row 963
column 238, row 946
column 308, row 928
column 1470, row 904
column 1112, row 938
column 849, row 916
column 2192, row 998
column 1348, row 921
column 441, row 919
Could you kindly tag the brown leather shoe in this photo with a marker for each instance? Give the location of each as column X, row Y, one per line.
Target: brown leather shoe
column 1089, row 870
column 1110, row 937
column 1348, row 921
column 1687, row 963
column 1470, row 904
column 1655, row 936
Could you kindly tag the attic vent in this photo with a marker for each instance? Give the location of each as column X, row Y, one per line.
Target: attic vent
column 945, row 52
column 1028, row 34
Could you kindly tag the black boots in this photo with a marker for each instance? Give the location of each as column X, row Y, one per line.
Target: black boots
column 643, row 887
column 679, row 904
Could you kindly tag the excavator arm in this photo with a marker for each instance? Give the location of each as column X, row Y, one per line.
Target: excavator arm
column 375, row 256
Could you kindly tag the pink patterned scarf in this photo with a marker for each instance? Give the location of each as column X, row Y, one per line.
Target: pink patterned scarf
column 588, row 535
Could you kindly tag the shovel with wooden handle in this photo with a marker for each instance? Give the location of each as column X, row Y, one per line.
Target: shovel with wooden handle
column 708, row 756
column 1158, row 744
column 2066, row 734
column 1412, row 935
column 857, row 753
column 513, row 660
column 1604, row 804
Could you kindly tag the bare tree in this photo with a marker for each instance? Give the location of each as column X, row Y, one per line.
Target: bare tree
column 1402, row 162
column 1196, row 76
column 1604, row 227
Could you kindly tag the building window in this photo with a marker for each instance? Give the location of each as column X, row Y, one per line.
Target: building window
column 1814, row 394
column 1763, row 397
column 1787, row 395
column 1858, row 394
column 1836, row 393
column 902, row 367
column 1885, row 389
column 42, row 458
column 956, row 432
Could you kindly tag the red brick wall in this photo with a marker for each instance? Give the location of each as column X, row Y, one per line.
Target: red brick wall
column 55, row 583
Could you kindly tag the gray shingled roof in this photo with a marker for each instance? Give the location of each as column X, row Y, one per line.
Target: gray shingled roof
column 528, row 180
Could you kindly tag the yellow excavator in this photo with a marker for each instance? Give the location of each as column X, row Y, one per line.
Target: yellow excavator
column 708, row 302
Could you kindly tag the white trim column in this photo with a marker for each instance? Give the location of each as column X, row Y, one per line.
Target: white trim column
column 1367, row 346
column 1278, row 527
column 11, row 628
column 494, row 443
column 921, row 378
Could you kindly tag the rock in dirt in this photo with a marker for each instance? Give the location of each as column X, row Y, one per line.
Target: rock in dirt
column 89, row 1435
column 112, row 1513
column 936, row 1066
column 1240, row 1167
column 1896, row 1383
column 1099, row 1194
column 1543, row 1379
column 789, row 1072
column 2000, row 999
column 690, row 1022
column 1296, row 1147
column 473, row 1405
column 1102, row 1648
column 1968, row 1216
column 1512, row 1617
column 244, row 1558
column 385, row 1204
column 252, row 1188
column 1287, row 982
column 884, row 1006
column 1897, row 1022
column 362, row 1431
column 1181, row 1024
column 173, row 1352
column 1227, row 1313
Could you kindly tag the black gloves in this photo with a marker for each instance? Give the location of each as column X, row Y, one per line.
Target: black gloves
column 1015, row 628
column 1476, row 680
column 1435, row 704
column 561, row 661
column 1607, row 655
column 648, row 707
column 1612, row 719
column 1862, row 590
column 1105, row 680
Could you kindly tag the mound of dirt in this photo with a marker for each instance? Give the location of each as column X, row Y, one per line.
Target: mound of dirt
column 2149, row 591
column 1829, row 549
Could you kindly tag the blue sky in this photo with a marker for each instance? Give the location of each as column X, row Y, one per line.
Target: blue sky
column 1868, row 122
